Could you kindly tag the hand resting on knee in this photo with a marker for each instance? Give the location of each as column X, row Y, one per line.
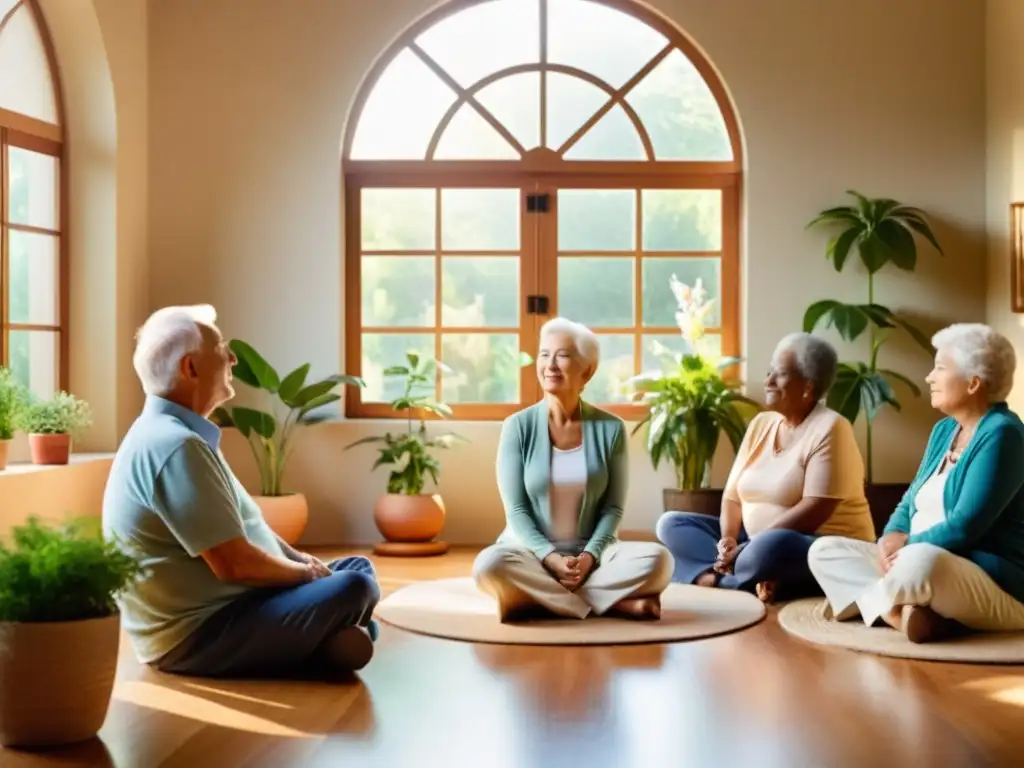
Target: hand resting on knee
column 239, row 562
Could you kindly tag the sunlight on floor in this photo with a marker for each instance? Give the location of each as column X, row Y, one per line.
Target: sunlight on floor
column 182, row 704
column 239, row 696
column 1005, row 689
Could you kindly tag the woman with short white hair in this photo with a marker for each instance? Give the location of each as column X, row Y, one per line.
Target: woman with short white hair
column 952, row 555
column 798, row 474
column 562, row 474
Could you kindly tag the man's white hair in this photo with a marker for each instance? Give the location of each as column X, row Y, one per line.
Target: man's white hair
column 584, row 339
column 167, row 336
column 983, row 352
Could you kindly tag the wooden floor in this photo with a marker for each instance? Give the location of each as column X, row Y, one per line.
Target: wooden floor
column 755, row 698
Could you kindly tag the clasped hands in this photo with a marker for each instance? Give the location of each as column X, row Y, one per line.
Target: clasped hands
column 315, row 568
column 728, row 549
column 570, row 571
column 889, row 547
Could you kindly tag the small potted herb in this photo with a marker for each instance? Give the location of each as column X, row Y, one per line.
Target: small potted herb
column 12, row 400
column 52, row 425
column 59, row 631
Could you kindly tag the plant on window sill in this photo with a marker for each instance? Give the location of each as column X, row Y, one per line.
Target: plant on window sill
column 689, row 402
column 882, row 231
column 13, row 400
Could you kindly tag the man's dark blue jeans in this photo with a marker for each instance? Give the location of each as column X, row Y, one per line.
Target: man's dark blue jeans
column 285, row 631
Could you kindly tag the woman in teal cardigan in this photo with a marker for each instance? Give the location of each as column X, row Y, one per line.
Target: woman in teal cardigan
column 952, row 555
column 562, row 473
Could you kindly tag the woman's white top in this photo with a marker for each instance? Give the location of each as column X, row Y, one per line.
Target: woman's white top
column 568, row 484
column 929, row 507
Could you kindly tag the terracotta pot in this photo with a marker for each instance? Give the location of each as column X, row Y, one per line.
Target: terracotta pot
column 400, row 517
column 50, row 449
column 56, row 680
column 4, row 446
column 707, row 501
column 286, row 515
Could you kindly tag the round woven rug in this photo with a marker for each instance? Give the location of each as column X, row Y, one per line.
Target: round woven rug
column 806, row 619
column 456, row 609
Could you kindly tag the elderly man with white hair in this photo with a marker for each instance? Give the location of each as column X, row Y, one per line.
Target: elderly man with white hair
column 222, row 594
column 562, row 474
column 951, row 558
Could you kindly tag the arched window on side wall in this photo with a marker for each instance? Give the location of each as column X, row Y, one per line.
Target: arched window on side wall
column 33, row 260
column 512, row 160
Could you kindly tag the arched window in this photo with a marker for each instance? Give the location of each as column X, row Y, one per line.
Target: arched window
column 513, row 160
column 33, row 264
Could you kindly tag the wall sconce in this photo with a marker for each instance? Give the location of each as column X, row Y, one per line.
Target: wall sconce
column 1017, row 256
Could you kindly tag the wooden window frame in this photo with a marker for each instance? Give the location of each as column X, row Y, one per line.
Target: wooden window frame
column 541, row 169
column 29, row 133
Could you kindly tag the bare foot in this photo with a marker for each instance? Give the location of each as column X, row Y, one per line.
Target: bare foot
column 639, row 607
column 709, row 579
column 766, row 591
column 923, row 625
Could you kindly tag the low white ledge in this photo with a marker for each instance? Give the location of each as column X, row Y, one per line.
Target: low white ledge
column 53, row 492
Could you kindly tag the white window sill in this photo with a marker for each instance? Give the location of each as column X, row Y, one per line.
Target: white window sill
column 77, row 459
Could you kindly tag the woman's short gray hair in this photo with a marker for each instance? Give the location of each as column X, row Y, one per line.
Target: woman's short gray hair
column 983, row 352
column 816, row 360
column 584, row 339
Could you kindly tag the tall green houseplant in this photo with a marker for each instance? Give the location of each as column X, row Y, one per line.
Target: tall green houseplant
column 690, row 402
column 291, row 403
column 881, row 231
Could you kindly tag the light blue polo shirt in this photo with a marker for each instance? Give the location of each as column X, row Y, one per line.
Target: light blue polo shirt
column 169, row 497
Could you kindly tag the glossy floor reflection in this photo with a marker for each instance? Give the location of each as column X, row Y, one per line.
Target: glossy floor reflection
column 754, row 698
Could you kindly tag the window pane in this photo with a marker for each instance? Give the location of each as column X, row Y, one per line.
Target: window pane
column 680, row 113
column 383, row 350
column 615, row 368
column 596, row 220
column 25, row 84
column 613, row 137
column 611, row 44
column 658, row 299
column 710, row 344
column 515, row 103
column 398, row 291
column 34, row 278
column 402, row 111
column 34, row 359
column 34, row 188
column 398, row 219
column 682, row 219
column 480, row 219
column 480, row 291
column 470, row 137
column 598, row 291
column 478, row 41
column 570, row 103
column 485, row 368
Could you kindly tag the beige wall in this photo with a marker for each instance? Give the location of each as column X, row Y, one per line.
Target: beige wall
column 53, row 493
column 247, row 111
column 1005, row 125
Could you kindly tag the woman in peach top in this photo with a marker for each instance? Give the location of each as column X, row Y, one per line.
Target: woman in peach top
column 798, row 475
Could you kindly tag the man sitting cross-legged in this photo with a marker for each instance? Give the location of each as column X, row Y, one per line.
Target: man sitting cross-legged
column 222, row 594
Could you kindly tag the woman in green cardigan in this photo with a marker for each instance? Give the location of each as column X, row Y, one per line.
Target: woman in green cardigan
column 952, row 555
column 562, row 474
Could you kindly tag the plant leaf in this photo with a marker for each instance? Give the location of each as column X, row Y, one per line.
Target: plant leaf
column 255, row 366
column 900, row 242
column 318, row 402
column 902, row 379
column 816, row 312
column 250, row 420
column 916, row 334
column 292, row 383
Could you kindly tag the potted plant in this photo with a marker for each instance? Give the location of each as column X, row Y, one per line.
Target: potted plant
column 406, row 516
column 292, row 402
column 59, row 631
column 690, row 403
column 882, row 231
column 13, row 397
column 52, row 425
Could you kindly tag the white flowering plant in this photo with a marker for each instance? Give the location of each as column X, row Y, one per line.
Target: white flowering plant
column 690, row 402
